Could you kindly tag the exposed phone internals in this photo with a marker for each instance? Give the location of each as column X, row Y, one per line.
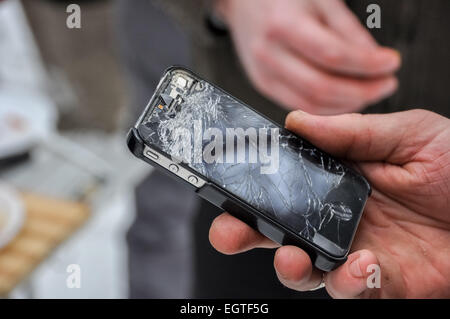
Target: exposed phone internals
column 244, row 163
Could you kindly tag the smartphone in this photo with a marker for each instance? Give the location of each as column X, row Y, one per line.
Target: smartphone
column 244, row 163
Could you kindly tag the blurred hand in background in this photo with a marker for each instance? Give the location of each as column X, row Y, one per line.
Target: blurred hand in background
column 312, row 54
column 405, row 228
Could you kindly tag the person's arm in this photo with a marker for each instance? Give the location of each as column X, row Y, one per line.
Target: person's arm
column 405, row 228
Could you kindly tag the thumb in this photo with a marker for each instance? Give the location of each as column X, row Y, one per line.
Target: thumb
column 371, row 137
column 351, row 279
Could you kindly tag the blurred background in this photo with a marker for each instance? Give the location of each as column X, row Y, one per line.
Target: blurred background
column 66, row 177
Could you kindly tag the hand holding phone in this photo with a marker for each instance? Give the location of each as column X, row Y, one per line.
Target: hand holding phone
column 270, row 178
column 401, row 247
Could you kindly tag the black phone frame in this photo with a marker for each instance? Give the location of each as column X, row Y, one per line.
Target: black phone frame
column 223, row 199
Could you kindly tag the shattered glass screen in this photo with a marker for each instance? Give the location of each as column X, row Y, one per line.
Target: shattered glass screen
column 287, row 178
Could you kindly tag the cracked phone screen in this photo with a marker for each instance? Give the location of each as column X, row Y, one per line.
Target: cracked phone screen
column 278, row 173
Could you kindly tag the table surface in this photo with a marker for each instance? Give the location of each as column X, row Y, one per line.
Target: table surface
column 48, row 223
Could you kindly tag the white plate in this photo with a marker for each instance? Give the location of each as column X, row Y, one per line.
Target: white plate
column 12, row 214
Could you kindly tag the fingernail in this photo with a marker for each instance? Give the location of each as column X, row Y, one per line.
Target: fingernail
column 355, row 268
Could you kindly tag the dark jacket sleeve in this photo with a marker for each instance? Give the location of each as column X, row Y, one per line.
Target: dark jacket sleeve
column 190, row 15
